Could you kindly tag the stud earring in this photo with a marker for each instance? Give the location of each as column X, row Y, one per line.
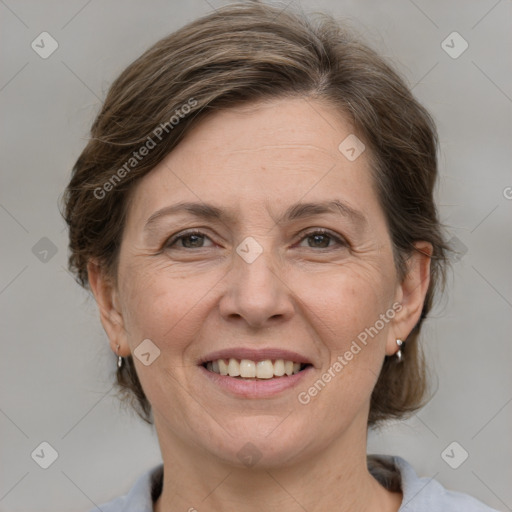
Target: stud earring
column 119, row 358
column 399, row 352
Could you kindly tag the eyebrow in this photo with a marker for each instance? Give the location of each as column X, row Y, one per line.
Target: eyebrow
column 296, row 211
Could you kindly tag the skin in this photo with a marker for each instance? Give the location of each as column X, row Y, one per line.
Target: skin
column 310, row 295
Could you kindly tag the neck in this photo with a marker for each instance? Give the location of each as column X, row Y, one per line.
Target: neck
column 335, row 478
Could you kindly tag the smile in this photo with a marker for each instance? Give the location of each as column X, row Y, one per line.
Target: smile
column 247, row 372
column 254, row 370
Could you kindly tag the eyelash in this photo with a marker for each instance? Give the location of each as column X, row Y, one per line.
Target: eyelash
column 171, row 241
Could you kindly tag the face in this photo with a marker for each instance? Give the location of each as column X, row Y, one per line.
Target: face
column 252, row 276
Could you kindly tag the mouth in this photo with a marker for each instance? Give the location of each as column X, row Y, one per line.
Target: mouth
column 251, row 370
column 262, row 373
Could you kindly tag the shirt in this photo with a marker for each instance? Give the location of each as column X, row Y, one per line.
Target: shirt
column 419, row 494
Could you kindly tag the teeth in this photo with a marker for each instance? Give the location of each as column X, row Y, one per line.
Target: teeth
column 279, row 368
column 248, row 369
column 233, row 368
column 264, row 369
column 223, row 367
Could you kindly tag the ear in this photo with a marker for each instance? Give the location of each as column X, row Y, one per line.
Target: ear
column 106, row 296
column 411, row 294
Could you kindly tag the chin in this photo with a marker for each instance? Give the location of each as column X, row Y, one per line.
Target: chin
column 259, row 442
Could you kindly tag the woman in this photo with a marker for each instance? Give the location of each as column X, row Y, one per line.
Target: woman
column 254, row 215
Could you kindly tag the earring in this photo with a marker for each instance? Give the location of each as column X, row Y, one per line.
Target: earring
column 399, row 352
column 119, row 359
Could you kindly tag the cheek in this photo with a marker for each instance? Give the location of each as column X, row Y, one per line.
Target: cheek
column 347, row 309
column 163, row 305
column 346, row 301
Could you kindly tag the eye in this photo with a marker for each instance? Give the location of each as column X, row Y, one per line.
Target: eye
column 321, row 239
column 194, row 239
column 189, row 239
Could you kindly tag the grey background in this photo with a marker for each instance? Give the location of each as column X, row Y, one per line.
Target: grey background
column 56, row 368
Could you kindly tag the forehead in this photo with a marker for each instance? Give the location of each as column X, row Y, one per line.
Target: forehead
column 293, row 126
column 269, row 153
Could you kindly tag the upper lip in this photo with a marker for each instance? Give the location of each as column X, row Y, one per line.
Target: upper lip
column 255, row 355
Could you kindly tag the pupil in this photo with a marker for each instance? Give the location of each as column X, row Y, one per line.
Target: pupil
column 189, row 237
column 319, row 240
column 325, row 237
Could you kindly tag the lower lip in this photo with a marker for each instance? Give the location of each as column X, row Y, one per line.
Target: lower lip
column 264, row 388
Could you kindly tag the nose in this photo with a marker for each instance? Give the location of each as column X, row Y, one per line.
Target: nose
column 257, row 292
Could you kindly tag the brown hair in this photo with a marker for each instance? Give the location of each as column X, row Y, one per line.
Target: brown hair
column 244, row 53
